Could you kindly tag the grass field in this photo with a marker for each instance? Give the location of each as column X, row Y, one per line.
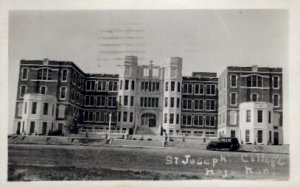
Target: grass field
column 52, row 162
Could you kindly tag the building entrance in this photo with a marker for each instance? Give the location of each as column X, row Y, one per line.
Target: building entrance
column 148, row 120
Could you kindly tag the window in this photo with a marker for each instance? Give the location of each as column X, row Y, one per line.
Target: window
column 177, row 119
column 131, row 117
column 233, row 81
column 210, row 89
column 77, row 96
column 166, row 101
column 141, row 102
column 276, row 82
column 119, row 116
column 190, row 88
column 44, row 74
column 74, row 80
column 178, row 87
column 45, row 111
column 186, row 103
column 259, row 116
column 172, row 86
column 111, row 101
column 100, row 101
column 146, row 72
column 127, row 70
column 126, row 84
column 157, row 86
column 61, row 111
column 125, row 100
column 64, row 75
column 254, row 81
column 32, row 127
column 72, row 94
column 115, row 86
column 166, row 118
column 43, row 89
column 254, row 97
column 121, row 84
column 53, row 110
column 25, row 108
column 212, row 121
column 132, row 85
column 276, row 100
column 247, row 136
column 171, row 118
column 199, row 104
column 23, row 91
column 167, row 86
column 24, row 73
column 155, row 72
column 79, row 81
column 156, row 102
column 173, row 72
column 19, row 109
column 151, row 86
column 97, row 116
column 198, row 120
column 259, row 136
column 34, row 106
column 210, row 105
column 88, row 116
column 198, row 133
column 131, row 101
column 102, row 86
column 199, row 89
column 207, row 121
column 152, row 102
column 90, row 85
column 125, row 116
column 89, row 100
column 186, row 119
column 248, row 116
column 172, row 102
column 110, row 85
column 233, row 116
column 178, row 103
column 233, row 99
column 270, row 117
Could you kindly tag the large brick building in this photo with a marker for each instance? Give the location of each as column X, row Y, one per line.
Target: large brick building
column 57, row 95
column 250, row 104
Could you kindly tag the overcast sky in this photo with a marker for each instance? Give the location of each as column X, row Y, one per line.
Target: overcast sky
column 207, row 40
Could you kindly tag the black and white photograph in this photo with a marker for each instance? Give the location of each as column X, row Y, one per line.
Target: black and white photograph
column 148, row 95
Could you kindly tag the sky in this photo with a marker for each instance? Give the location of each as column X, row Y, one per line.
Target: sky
column 96, row 41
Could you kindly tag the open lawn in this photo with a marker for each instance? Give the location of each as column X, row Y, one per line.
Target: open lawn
column 61, row 162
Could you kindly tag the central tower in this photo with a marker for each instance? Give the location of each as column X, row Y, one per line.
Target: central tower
column 172, row 95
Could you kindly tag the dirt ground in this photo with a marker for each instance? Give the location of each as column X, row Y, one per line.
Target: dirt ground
column 52, row 162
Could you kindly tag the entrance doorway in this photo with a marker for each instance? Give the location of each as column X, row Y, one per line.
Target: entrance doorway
column 276, row 138
column 232, row 133
column 148, row 120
